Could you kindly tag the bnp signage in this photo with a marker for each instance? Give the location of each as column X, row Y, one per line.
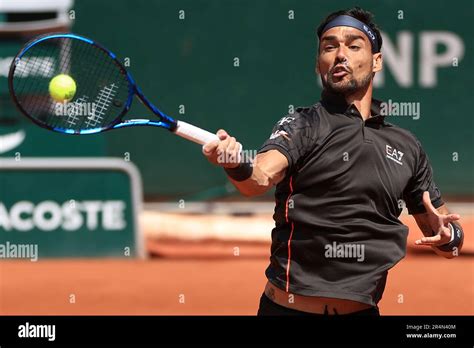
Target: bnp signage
column 69, row 208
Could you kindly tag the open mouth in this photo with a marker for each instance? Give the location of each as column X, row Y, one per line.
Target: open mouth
column 339, row 71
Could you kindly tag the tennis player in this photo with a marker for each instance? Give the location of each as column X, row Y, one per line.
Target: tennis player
column 342, row 173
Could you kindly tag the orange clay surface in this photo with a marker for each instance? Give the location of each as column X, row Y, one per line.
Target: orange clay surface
column 206, row 278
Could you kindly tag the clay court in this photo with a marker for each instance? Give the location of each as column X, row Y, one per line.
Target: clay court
column 199, row 247
column 205, row 277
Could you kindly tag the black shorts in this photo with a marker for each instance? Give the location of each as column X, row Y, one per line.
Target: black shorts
column 268, row 307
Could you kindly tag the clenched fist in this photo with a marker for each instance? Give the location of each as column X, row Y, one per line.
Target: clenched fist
column 225, row 153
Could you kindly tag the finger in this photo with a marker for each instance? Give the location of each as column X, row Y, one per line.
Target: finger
column 209, row 148
column 231, row 150
column 451, row 217
column 441, row 242
column 223, row 145
column 427, row 203
column 239, row 152
column 222, row 134
column 232, row 144
column 428, row 240
column 240, row 147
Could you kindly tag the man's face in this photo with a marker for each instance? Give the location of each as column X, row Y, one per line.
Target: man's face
column 345, row 61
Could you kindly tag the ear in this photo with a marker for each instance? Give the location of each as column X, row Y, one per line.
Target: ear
column 317, row 66
column 378, row 62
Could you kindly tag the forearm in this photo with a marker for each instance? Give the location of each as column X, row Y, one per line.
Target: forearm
column 257, row 184
column 251, row 179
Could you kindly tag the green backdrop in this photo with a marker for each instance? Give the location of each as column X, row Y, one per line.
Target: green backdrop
column 190, row 62
column 82, row 213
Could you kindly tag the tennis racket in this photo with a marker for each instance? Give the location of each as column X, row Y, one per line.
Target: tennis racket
column 104, row 90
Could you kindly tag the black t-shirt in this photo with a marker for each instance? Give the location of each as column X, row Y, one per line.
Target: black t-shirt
column 337, row 231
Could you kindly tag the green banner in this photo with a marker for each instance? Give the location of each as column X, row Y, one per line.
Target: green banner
column 241, row 65
column 70, row 208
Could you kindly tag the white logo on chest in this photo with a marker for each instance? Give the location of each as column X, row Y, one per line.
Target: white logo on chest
column 278, row 133
column 393, row 154
column 285, row 120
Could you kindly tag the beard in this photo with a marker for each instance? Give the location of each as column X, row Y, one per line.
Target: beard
column 347, row 85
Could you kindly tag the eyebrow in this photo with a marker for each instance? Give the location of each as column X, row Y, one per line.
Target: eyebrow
column 348, row 37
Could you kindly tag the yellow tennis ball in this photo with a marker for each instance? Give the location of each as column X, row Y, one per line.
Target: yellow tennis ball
column 62, row 88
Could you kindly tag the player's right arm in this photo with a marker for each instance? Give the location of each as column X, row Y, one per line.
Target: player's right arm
column 268, row 169
column 291, row 140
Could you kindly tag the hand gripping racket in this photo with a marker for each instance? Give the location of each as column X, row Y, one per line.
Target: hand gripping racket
column 102, row 89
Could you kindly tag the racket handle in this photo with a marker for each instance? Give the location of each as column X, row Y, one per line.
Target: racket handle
column 193, row 133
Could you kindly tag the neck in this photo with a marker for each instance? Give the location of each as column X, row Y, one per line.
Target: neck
column 362, row 100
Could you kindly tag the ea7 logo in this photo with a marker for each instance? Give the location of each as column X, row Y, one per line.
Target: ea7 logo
column 394, row 154
column 284, row 120
column 279, row 133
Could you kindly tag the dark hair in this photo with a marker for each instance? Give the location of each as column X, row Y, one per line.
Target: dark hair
column 364, row 16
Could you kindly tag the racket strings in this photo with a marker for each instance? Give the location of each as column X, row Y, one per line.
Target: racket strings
column 38, row 69
column 32, row 68
column 102, row 86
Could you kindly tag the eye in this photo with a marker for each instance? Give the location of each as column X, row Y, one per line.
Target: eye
column 329, row 47
column 354, row 47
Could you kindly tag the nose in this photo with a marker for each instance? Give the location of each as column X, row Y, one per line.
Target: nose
column 341, row 54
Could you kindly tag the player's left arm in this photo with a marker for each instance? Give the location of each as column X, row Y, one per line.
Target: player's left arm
column 435, row 224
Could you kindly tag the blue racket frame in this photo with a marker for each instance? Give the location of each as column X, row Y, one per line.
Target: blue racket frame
column 167, row 122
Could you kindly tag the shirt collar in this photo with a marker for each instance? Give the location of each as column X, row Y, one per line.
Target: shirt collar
column 336, row 103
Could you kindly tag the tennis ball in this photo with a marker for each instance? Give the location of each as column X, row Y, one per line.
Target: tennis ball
column 62, row 88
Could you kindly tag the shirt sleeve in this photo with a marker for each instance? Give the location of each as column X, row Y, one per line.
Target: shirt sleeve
column 292, row 137
column 422, row 180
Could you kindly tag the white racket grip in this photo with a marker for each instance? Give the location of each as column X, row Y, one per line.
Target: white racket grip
column 195, row 134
